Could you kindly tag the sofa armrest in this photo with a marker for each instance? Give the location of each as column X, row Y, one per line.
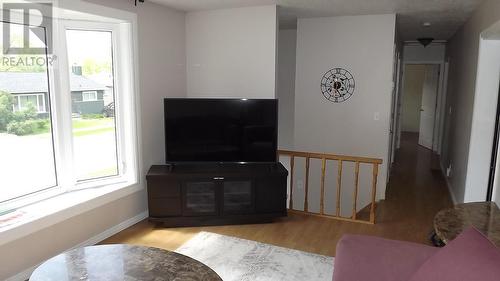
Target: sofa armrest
column 361, row 258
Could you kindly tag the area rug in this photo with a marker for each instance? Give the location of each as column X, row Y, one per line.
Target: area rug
column 244, row 260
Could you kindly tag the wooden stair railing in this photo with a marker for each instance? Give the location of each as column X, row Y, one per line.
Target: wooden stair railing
column 324, row 157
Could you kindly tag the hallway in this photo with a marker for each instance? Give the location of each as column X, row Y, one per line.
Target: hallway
column 414, row 195
column 416, row 191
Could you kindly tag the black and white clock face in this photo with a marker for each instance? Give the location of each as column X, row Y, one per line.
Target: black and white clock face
column 337, row 85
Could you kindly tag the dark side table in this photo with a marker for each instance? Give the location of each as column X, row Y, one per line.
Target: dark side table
column 485, row 216
column 123, row 262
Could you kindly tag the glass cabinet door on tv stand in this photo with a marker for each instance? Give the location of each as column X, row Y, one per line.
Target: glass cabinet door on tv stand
column 238, row 197
column 213, row 197
column 200, row 198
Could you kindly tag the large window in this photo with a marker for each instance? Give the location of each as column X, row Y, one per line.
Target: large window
column 90, row 55
column 26, row 101
column 27, row 148
column 72, row 130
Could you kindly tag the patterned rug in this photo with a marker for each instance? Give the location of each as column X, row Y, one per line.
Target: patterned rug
column 244, row 260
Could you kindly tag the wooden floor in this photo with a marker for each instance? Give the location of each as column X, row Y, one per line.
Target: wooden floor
column 416, row 191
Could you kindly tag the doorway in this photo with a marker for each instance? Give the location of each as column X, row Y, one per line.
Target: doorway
column 420, row 103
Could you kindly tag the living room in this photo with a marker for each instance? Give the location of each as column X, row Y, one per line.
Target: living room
column 74, row 166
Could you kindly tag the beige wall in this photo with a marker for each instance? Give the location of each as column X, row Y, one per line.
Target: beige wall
column 162, row 73
column 463, row 54
column 412, row 97
column 232, row 52
column 360, row 125
column 287, row 49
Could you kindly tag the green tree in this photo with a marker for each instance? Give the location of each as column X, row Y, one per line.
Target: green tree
column 90, row 66
column 6, row 113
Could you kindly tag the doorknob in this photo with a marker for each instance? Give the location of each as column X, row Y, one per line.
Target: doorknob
column 421, row 109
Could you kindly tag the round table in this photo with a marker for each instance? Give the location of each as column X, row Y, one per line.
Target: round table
column 484, row 216
column 123, row 262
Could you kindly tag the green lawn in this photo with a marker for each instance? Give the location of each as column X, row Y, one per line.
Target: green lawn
column 83, row 127
column 90, row 123
column 92, row 131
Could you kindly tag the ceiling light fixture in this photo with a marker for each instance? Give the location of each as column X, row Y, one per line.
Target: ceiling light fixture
column 425, row 41
column 426, row 24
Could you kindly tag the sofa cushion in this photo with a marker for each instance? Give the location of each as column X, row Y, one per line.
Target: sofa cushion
column 470, row 256
column 361, row 258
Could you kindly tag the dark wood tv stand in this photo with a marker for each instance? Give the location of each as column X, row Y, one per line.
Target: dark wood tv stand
column 216, row 193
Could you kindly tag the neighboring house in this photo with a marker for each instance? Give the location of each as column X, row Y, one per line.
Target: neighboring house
column 105, row 79
column 31, row 88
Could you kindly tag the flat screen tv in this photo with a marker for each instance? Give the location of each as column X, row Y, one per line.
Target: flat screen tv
column 221, row 130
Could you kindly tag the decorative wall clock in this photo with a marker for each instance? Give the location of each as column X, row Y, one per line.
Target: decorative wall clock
column 337, row 85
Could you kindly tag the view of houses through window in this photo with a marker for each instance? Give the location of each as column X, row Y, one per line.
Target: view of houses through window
column 92, row 93
column 27, row 162
column 27, row 141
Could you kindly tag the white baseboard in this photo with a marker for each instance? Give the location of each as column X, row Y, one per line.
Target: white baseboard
column 25, row 274
column 448, row 184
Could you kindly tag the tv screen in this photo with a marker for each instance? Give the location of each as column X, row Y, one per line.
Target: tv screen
column 221, row 130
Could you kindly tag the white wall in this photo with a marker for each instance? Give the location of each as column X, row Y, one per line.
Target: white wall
column 463, row 53
column 232, row 52
column 365, row 46
column 162, row 73
column 483, row 121
column 286, row 86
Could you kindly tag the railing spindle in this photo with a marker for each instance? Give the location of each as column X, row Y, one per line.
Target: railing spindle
column 322, row 199
column 324, row 160
column 374, row 192
column 355, row 195
column 306, row 199
column 339, row 184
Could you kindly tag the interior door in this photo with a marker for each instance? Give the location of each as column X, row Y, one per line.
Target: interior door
column 428, row 109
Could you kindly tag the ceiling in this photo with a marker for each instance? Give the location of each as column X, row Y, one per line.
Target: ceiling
column 445, row 16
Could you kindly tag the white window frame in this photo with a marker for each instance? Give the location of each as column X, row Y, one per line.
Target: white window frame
column 94, row 94
column 126, row 108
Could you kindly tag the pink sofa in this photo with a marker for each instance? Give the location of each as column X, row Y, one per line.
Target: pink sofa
column 469, row 257
column 362, row 258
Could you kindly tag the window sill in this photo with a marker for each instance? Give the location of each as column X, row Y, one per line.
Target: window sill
column 62, row 207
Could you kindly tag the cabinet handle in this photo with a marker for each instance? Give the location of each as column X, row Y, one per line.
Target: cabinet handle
column 218, row 178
